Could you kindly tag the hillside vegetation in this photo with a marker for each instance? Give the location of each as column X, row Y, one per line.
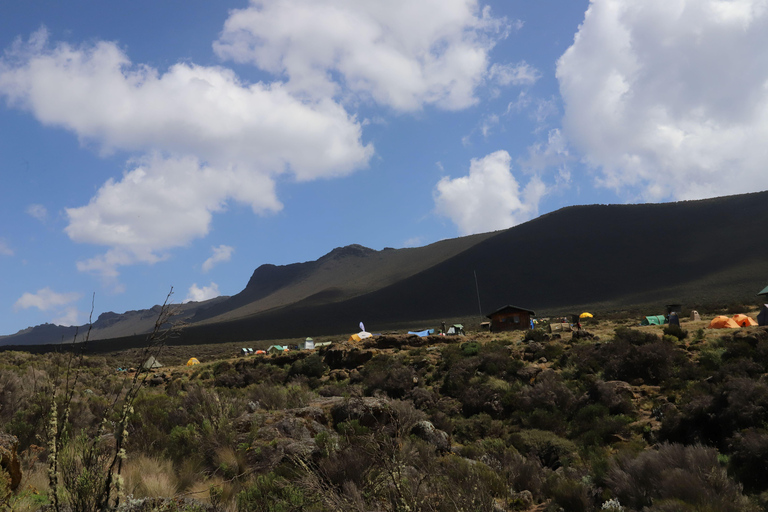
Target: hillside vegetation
column 615, row 417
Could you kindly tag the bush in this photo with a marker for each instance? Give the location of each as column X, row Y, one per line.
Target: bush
column 311, row 366
column 634, row 336
column 686, row 475
column 271, row 493
column 550, row 449
column 749, row 458
column 538, row 335
column 676, row 331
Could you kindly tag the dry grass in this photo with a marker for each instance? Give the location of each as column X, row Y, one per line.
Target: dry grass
column 150, row 477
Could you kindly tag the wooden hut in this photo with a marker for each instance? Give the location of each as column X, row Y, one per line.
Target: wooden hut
column 510, row 318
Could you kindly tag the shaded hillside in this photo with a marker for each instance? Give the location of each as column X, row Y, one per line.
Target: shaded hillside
column 611, row 256
column 695, row 252
column 108, row 325
column 344, row 273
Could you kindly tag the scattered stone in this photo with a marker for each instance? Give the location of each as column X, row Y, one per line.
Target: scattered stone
column 426, row 431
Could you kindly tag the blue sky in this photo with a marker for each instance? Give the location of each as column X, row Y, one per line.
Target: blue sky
column 145, row 145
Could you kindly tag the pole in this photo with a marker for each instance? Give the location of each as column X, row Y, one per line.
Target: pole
column 479, row 308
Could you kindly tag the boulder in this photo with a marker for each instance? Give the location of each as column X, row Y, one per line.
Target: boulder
column 428, row 432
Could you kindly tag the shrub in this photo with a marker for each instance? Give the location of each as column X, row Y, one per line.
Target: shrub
column 634, row 336
column 550, row 449
column 388, row 374
column 749, row 458
column 311, row 366
column 676, row 331
column 538, row 335
column 271, row 493
column 687, row 475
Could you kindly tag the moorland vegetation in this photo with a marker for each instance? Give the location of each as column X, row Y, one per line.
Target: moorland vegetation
column 616, row 417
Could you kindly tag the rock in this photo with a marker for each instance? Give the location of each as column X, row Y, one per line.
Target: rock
column 9, row 459
column 252, row 407
column 528, row 372
column 368, row 411
column 346, row 356
column 339, row 375
column 439, row 439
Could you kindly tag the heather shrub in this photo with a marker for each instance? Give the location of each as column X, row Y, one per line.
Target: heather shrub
column 311, row 366
column 550, row 449
column 676, row 331
column 634, row 336
column 572, row 494
column 749, row 458
column 688, row 476
column 539, row 335
column 272, row 493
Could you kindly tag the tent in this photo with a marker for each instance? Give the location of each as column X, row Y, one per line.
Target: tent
column 276, row 349
column 455, row 329
column 260, row 352
column 762, row 318
column 744, row 320
column 654, row 320
column 695, row 316
column 360, row 336
column 586, row 315
column 309, row 344
column 559, row 327
column 192, row 361
column 723, row 322
column 150, row 363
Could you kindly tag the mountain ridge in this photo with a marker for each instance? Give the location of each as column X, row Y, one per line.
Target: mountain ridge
column 616, row 255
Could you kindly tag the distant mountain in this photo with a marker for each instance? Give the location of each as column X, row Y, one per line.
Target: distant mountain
column 602, row 256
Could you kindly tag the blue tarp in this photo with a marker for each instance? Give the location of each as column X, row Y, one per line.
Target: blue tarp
column 423, row 333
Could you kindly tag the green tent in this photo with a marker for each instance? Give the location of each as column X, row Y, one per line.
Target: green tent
column 764, row 291
column 654, row 320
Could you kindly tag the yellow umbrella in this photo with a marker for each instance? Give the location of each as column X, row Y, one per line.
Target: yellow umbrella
column 585, row 315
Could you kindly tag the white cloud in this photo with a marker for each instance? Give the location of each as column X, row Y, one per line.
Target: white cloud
column 197, row 294
column 221, row 254
column 67, row 317
column 401, row 53
column 37, row 211
column 45, row 299
column 207, row 138
column 489, row 198
column 521, row 73
column 5, row 249
column 414, row 241
column 670, row 99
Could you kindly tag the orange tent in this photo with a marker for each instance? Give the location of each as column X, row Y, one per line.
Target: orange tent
column 744, row 320
column 723, row 322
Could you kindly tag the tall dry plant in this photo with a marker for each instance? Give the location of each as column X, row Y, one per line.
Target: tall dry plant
column 100, row 487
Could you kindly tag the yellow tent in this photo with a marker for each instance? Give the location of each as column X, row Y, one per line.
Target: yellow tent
column 193, row 361
column 586, row 315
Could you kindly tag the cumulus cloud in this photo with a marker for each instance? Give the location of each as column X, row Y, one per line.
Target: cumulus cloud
column 489, row 198
column 197, row 294
column 221, row 254
column 37, row 211
column 669, row 100
column 402, row 53
column 45, row 300
column 207, row 138
column 5, row 249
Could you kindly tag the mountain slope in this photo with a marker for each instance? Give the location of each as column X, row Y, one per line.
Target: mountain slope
column 610, row 256
column 694, row 252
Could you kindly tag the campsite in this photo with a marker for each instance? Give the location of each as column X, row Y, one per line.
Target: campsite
column 523, row 419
